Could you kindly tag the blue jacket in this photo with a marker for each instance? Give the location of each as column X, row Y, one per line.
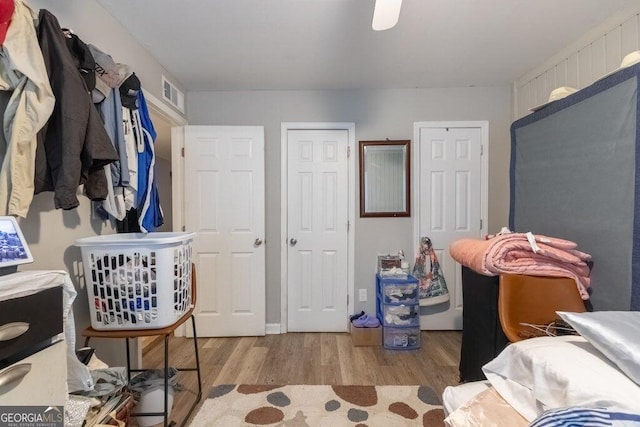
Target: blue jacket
column 148, row 201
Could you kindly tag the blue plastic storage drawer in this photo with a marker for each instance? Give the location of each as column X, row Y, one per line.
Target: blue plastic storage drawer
column 399, row 314
column 398, row 290
column 401, row 338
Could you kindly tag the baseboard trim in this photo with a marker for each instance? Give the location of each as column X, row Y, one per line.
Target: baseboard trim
column 273, row 329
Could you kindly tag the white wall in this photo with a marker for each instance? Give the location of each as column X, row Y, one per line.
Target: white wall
column 580, row 64
column 378, row 114
column 50, row 232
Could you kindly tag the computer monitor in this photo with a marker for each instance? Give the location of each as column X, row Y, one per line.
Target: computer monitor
column 13, row 247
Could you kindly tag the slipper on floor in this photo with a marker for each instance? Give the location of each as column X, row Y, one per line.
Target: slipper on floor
column 373, row 322
column 360, row 321
column 356, row 316
column 366, row 322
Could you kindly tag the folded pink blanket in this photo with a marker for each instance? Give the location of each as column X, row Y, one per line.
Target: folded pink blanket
column 513, row 253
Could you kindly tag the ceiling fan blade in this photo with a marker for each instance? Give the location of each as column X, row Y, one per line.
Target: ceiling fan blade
column 385, row 14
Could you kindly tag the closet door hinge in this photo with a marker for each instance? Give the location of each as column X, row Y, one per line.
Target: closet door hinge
column 348, row 152
column 184, row 228
column 481, row 224
column 182, row 151
column 348, row 226
column 482, row 150
column 347, row 300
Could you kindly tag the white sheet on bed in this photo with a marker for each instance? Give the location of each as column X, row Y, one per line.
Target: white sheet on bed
column 454, row 397
column 486, row 409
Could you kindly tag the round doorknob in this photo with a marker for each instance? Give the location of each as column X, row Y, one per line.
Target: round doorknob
column 293, row 241
column 258, row 242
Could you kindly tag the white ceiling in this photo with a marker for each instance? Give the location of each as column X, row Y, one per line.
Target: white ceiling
column 329, row 44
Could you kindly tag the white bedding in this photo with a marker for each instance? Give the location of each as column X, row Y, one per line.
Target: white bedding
column 554, row 372
column 486, row 409
column 540, row 374
column 614, row 333
column 455, row 396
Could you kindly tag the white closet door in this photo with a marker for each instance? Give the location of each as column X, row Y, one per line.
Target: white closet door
column 452, row 199
column 317, row 230
column 224, row 204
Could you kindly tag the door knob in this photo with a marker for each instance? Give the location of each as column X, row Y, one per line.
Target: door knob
column 258, row 242
column 293, row 241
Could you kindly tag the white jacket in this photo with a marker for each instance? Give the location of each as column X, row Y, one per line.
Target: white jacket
column 22, row 71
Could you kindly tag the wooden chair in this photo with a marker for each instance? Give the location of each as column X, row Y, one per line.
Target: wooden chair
column 535, row 300
column 166, row 332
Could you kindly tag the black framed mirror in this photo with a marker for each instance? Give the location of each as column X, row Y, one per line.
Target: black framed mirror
column 385, row 188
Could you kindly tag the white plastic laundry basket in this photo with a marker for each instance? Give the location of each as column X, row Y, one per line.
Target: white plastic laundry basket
column 136, row 280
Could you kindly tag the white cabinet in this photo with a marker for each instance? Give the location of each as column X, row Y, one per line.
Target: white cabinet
column 33, row 351
column 45, row 381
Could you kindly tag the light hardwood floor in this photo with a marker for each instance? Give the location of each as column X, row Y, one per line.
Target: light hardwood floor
column 308, row 358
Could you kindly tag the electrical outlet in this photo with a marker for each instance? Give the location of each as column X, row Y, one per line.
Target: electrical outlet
column 363, row 295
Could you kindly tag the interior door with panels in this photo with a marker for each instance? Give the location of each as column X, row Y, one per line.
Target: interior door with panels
column 224, row 205
column 317, row 230
column 451, row 203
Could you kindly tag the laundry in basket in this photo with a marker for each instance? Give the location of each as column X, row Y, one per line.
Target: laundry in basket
column 136, row 280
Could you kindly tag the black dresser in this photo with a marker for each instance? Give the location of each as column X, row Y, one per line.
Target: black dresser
column 482, row 335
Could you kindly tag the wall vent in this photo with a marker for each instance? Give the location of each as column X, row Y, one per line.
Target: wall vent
column 172, row 94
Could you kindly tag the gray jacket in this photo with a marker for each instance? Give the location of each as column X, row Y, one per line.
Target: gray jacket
column 22, row 71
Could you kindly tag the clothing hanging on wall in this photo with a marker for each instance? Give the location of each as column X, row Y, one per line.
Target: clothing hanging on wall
column 131, row 147
column 73, row 147
column 82, row 58
column 51, row 82
column 130, row 222
column 111, row 112
column 125, row 203
column 118, row 176
column 148, row 200
column 22, row 71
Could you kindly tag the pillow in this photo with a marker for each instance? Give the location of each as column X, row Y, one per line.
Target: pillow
column 487, row 408
column 545, row 373
column 615, row 333
column 454, row 397
column 571, row 417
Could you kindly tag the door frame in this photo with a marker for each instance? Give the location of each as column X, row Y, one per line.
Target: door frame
column 284, row 213
column 484, row 170
column 175, row 119
column 177, row 197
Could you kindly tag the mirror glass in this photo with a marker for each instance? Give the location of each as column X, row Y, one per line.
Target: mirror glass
column 384, row 179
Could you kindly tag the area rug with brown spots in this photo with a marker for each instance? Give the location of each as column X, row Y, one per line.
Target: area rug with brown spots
column 320, row 405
